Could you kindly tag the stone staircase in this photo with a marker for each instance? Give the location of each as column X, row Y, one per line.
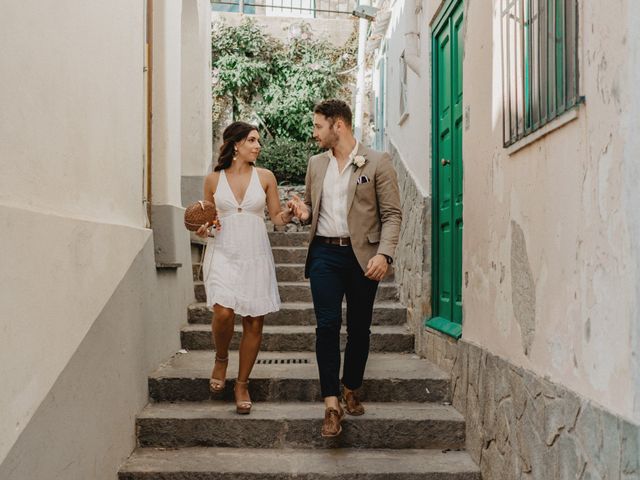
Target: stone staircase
column 409, row 431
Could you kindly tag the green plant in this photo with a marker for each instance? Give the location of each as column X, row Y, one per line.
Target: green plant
column 241, row 62
column 260, row 77
column 287, row 159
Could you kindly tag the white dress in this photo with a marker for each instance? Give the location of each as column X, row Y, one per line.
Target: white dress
column 239, row 271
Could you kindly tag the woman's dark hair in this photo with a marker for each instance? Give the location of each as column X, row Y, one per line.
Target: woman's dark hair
column 334, row 109
column 234, row 133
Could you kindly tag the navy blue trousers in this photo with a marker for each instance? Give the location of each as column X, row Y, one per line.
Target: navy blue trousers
column 334, row 273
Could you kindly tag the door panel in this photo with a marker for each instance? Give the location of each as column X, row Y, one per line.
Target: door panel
column 448, row 186
column 444, row 178
column 456, row 163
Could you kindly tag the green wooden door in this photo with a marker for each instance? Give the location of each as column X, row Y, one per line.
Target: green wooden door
column 447, row 170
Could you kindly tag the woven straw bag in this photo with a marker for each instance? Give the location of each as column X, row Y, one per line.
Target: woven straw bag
column 199, row 213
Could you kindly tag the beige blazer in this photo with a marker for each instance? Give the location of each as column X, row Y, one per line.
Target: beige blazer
column 373, row 208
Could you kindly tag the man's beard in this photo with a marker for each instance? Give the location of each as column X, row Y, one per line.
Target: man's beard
column 330, row 142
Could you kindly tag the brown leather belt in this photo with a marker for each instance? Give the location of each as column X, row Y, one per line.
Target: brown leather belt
column 341, row 241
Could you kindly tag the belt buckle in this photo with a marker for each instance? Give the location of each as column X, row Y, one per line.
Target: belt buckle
column 340, row 242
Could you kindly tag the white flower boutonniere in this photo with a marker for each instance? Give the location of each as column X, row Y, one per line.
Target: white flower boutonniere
column 358, row 161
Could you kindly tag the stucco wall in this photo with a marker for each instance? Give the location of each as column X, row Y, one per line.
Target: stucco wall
column 196, row 87
column 58, row 156
column 552, row 270
column 167, row 106
column 83, row 425
column 631, row 167
column 57, row 133
column 412, row 137
column 71, row 232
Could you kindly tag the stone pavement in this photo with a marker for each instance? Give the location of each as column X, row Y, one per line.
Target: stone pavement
column 410, row 430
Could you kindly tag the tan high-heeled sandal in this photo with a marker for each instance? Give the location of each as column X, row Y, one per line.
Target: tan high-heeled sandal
column 217, row 386
column 243, row 407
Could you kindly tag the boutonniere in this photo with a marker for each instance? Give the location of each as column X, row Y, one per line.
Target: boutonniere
column 358, row 161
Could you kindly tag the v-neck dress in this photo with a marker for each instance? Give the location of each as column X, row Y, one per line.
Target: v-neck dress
column 239, row 271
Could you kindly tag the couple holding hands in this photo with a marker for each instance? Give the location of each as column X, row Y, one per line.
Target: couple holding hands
column 352, row 202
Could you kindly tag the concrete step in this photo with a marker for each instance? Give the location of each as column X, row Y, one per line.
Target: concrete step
column 202, row 463
column 297, row 425
column 301, row 292
column 297, row 338
column 289, row 239
column 293, row 376
column 294, row 272
column 301, row 313
column 289, row 254
column 285, row 272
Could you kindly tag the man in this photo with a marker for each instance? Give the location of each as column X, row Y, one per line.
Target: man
column 352, row 201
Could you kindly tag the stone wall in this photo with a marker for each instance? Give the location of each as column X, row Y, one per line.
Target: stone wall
column 523, row 426
column 285, row 194
column 413, row 255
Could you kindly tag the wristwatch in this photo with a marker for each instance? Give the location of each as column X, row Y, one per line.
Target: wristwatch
column 389, row 259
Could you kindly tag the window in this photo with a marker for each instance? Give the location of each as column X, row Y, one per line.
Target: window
column 539, row 63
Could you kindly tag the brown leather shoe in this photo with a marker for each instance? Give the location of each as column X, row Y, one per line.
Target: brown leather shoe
column 331, row 425
column 352, row 403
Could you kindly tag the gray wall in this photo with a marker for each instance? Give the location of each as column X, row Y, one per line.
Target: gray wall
column 85, row 426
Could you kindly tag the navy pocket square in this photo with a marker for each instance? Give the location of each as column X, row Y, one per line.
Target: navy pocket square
column 362, row 179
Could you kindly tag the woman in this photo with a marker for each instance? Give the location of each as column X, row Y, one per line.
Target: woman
column 239, row 272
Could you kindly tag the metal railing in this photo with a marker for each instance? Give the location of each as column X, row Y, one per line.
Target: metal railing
column 287, row 8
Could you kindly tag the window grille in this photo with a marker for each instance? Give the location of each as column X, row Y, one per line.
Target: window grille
column 539, row 63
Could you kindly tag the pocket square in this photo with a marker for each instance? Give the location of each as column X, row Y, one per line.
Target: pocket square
column 362, row 179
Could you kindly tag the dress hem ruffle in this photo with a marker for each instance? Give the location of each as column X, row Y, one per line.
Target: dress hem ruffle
column 244, row 309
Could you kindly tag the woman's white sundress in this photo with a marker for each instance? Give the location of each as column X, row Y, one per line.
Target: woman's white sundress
column 238, row 267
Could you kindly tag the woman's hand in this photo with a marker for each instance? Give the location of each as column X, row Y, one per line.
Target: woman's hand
column 203, row 231
column 298, row 207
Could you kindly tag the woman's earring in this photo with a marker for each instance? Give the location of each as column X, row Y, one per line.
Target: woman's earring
column 235, row 154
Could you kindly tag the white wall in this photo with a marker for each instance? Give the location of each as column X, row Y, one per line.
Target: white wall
column 559, row 215
column 72, row 228
column 59, row 137
column 61, row 144
column 412, row 137
column 167, row 109
column 196, row 87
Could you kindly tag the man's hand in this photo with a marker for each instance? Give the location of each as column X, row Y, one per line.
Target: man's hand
column 298, row 207
column 377, row 268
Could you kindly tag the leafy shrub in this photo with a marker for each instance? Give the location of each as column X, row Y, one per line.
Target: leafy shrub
column 260, row 77
column 287, row 159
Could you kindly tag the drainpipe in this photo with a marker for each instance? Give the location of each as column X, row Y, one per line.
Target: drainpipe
column 363, row 27
column 149, row 47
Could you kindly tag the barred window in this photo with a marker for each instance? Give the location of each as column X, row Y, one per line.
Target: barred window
column 539, row 63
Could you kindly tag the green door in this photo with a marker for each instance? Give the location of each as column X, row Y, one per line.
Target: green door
column 447, row 170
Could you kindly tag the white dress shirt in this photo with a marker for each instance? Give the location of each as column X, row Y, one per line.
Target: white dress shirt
column 332, row 218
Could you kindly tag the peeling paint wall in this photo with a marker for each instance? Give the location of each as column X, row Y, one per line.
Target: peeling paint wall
column 631, row 167
column 551, row 231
